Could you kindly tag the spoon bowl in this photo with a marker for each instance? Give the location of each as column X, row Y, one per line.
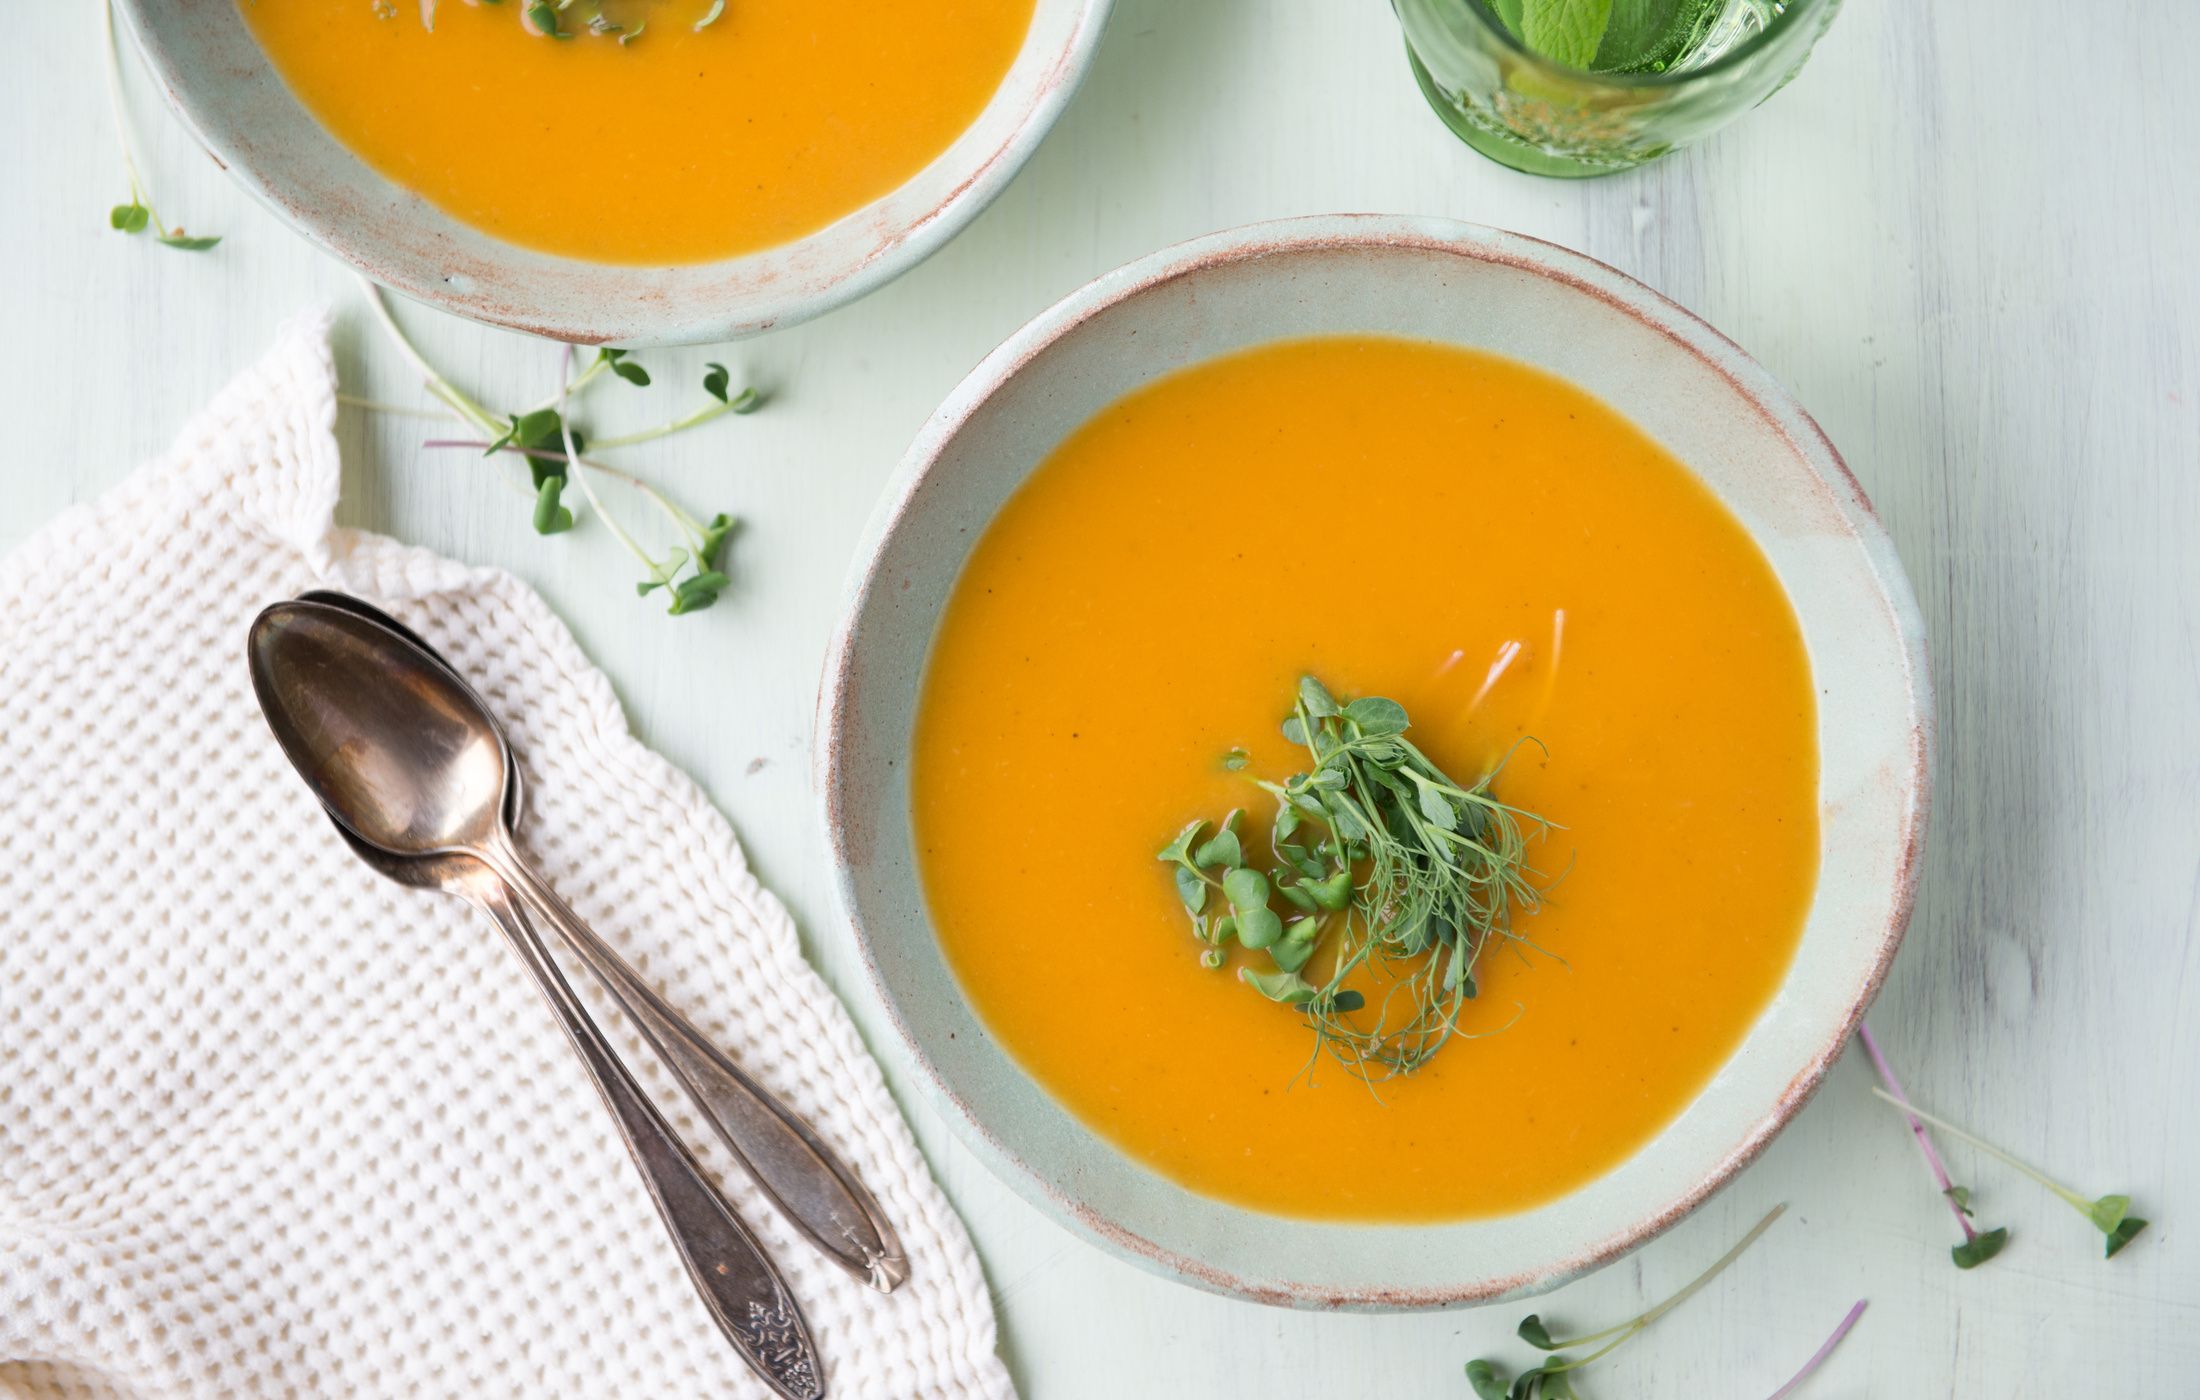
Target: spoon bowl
column 515, row 791
column 396, row 748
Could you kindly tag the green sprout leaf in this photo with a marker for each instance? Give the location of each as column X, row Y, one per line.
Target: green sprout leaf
column 1258, row 928
column 1245, row 889
column 1556, row 1383
column 625, row 368
column 1286, row 987
column 715, row 534
column 1488, row 1382
column 189, row 244
column 1334, row 893
column 1535, row 1334
column 1376, row 716
column 551, row 518
column 130, row 218
column 1220, row 849
column 710, row 16
column 1180, row 849
column 1292, row 951
column 1961, row 1195
column 1979, row 1248
column 697, row 592
column 715, row 380
column 1315, row 699
column 2122, row 1235
column 1191, row 889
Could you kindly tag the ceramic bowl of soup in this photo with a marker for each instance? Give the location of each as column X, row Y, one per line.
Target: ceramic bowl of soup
column 659, row 171
column 1608, row 575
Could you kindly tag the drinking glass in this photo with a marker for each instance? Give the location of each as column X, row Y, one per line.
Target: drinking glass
column 1669, row 72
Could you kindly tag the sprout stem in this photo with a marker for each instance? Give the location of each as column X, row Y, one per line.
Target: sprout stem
column 1818, row 1357
column 1933, row 1162
column 2084, row 1207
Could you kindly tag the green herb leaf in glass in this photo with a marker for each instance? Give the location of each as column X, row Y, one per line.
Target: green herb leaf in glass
column 1565, row 31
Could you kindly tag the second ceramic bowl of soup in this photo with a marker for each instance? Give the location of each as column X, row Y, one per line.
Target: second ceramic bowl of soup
column 1530, row 500
column 731, row 168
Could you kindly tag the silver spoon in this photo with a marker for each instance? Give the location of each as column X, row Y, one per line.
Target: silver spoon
column 397, row 752
column 809, row 1183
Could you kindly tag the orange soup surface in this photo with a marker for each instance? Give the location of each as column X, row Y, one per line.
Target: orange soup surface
column 1391, row 516
column 686, row 145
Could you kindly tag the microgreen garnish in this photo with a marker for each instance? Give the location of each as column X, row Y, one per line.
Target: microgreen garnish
column 1978, row 1245
column 544, row 17
column 138, row 215
column 1551, row 1380
column 1412, row 873
column 2110, row 1214
column 710, row 16
column 1818, row 1357
column 623, row 367
column 556, row 453
column 551, row 518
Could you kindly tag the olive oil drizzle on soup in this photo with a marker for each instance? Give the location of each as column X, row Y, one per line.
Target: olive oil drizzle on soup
column 686, row 145
column 1390, row 515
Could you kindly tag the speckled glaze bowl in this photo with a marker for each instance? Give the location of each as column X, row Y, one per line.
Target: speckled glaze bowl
column 1681, row 381
column 223, row 87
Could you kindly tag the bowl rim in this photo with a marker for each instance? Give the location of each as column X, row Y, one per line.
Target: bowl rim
column 755, row 305
column 1481, row 243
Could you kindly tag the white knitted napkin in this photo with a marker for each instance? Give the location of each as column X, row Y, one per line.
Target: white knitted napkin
column 270, row 1124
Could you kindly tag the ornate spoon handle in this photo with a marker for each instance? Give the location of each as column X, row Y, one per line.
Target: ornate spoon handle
column 805, row 1179
column 738, row 1283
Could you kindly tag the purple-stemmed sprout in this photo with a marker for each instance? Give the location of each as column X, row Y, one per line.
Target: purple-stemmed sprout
column 1978, row 1245
column 545, row 438
column 2110, row 1214
column 1818, row 1358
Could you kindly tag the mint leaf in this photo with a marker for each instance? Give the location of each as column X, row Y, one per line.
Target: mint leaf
column 1566, row 31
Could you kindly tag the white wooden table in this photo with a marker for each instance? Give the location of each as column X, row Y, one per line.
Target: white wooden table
column 1967, row 236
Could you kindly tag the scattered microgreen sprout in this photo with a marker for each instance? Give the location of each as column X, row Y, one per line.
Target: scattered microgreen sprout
column 2110, row 1214
column 1385, row 866
column 1978, row 1245
column 138, row 215
column 556, row 453
column 1553, row 1378
column 1818, row 1357
column 710, row 16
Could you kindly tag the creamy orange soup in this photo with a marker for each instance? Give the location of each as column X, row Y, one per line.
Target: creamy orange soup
column 1391, row 516
column 686, row 145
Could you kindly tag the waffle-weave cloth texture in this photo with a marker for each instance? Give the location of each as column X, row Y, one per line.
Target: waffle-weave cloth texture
column 273, row 1125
